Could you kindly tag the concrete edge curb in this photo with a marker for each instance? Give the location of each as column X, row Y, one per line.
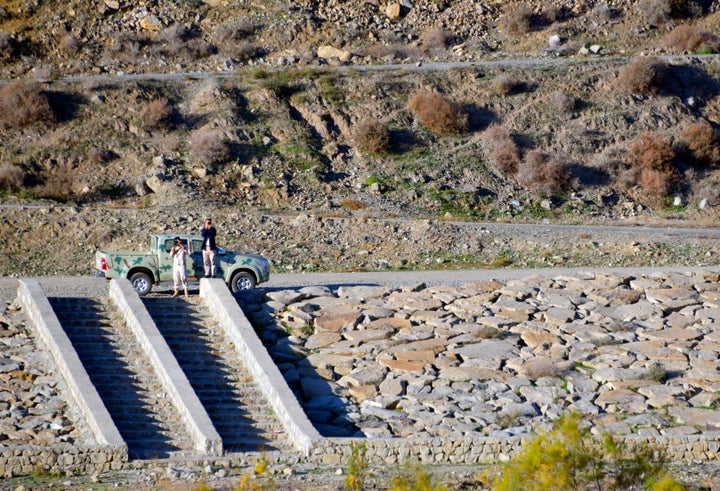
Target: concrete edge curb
column 82, row 390
column 257, row 360
column 206, row 438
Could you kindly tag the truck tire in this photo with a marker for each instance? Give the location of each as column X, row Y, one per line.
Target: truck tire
column 142, row 283
column 242, row 281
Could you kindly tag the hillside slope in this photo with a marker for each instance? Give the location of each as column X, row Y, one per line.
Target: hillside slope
column 532, row 112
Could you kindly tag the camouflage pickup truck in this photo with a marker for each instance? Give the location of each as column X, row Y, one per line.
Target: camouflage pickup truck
column 144, row 269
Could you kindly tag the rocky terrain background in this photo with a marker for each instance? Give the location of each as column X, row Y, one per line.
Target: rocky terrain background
column 357, row 135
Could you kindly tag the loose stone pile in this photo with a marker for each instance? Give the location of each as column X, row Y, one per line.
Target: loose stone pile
column 635, row 354
column 33, row 409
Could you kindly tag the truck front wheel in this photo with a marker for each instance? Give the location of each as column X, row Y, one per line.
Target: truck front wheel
column 242, row 281
column 142, row 283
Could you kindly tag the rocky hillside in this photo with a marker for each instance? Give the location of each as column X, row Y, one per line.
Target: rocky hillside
column 294, row 125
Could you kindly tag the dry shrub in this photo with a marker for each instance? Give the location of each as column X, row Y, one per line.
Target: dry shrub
column 543, row 174
column 562, row 102
column 505, row 154
column 393, row 51
column 179, row 41
column 517, row 18
column 58, row 183
column 157, row 114
column 233, row 31
column 11, row 177
column 125, row 48
column 69, row 45
column 537, row 368
column 643, row 76
column 353, row 204
column 703, row 143
column 662, row 11
column 23, row 104
column 654, row 186
column 506, row 85
column 652, row 151
column 691, row 38
column 210, row 147
column 437, row 114
column 372, row 137
column 435, row 38
column 7, row 46
column 652, row 162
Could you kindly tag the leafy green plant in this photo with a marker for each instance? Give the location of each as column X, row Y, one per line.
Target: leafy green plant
column 357, row 467
column 415, row 478
column 566, row 457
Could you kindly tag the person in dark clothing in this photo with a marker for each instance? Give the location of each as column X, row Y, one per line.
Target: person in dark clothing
column 209, row 248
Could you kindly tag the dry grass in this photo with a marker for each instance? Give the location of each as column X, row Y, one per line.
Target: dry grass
column 353, row 204
column 23, row 104
column 437, row 114
column 643, row 76
column 372, row 137
column 505, row 85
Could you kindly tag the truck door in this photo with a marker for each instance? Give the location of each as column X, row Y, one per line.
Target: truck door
column 195, row 268
column 166, row 259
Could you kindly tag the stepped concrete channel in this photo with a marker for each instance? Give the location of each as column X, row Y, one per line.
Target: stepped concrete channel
column 415, row 373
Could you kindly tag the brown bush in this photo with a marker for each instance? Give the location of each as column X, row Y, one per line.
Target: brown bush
column 69, row 45
column 691, row 38
column 654, row 186
column 23, row 104
column 543, row 174
column 506, row 85
column 437, row 114
column 210, row 147
column 562, row 102
column 352, row 204
column 702, row 142
column 504, row 154
column 372, row 136
column 435, row 38
column 643, row 76
column 517, row 18
column 653, row 152
column 157, row 114
column 662, row 11
column 11, row 177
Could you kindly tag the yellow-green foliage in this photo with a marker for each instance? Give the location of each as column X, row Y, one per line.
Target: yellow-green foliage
column 357, row 467
column 418, row 479
column 567, row 458
column 256, row 480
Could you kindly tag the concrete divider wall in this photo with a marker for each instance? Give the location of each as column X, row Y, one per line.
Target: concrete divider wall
column 257, row 360
column 207, row 440
column 82, row 390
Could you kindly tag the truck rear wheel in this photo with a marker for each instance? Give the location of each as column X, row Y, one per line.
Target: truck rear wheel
column 242, row 281
column 142, row 283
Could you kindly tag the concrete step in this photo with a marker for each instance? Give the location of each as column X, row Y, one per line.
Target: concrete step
column 226, row 389
column 126, row 382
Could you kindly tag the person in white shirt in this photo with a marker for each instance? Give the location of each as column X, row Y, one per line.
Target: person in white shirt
column 179, row 274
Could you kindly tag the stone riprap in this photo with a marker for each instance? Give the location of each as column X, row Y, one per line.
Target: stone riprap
column 33, row 410
column 638, row 355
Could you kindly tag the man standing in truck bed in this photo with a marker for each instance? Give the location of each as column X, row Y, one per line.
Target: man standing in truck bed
column 208, row 248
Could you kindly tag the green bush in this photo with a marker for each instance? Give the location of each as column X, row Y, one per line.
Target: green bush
column 566, row 458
